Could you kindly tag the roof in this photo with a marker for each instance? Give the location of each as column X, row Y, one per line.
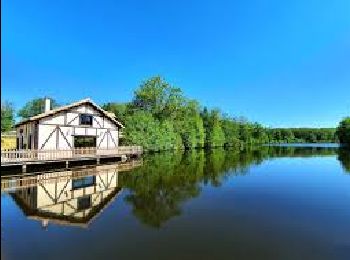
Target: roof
column 67, row 107
column 95, row 211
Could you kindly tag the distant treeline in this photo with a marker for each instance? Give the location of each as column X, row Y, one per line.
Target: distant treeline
column 302, row 135
column 160, row 117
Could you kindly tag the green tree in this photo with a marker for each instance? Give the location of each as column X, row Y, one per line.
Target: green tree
column 119, row 109
column 190, row 125
column 159, row 98
column 230, row 128
column 160, row 117
column 7, row 116
column 215, row 136
column 35, row 107
column 343, row 131
column 141, row 128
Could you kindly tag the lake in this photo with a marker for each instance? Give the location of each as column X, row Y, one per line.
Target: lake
column 268, row 203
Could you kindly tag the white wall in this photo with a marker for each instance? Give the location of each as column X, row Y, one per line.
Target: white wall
column 106, row 182
column 44, row 138
column 68, row 122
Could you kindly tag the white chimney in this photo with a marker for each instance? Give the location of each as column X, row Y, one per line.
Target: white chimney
column 47, row 105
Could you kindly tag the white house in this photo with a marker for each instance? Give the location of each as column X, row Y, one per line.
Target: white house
column 73, row 197
column 80, row 124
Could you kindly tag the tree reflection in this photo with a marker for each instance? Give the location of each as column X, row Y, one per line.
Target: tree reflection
column 344, row 158
column 166, row 180
column 158, row 189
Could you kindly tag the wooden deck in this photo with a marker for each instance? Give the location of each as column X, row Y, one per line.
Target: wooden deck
column 34, row 179
column 23, row 158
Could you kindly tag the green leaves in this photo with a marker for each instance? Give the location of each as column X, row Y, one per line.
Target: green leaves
column 7, row 116
column 343, row 131
column 35, row 107
column 160, row 117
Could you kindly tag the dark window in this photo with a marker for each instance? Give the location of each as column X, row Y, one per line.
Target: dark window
column 83, row 182
column 85, row 119
column 84, row 141
column 84, row 202
column 30, row 142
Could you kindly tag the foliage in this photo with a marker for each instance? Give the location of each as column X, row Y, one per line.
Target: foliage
column 157, row 97
column 7, row 116
column 160, row 117
column 143, row 129
column 343, row 131
column 215, row 136
column 35, row 107
column 302, row 135
column 119, row 109
column 230, row 127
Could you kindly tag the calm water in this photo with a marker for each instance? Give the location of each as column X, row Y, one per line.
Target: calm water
column 272, row 203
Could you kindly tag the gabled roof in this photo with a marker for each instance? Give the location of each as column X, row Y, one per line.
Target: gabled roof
column 67, row 107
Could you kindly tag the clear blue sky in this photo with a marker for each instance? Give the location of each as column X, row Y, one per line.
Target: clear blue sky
column 281, row 63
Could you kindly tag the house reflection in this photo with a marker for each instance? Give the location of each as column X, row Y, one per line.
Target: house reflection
column 73, row 197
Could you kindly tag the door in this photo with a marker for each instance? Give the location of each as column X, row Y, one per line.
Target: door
column 85, row 144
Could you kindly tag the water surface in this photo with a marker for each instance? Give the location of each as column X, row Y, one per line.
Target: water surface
column 270, row 203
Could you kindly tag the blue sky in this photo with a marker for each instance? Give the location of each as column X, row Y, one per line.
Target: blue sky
column 281, row 63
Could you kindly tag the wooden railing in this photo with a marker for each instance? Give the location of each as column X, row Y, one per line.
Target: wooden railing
column 8, row 156
column 31, row 180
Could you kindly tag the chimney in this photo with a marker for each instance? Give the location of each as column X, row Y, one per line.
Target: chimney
column 47, row 105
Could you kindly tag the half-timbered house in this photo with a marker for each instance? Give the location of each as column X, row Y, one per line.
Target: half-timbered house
column 81, row 124
column 72, row 197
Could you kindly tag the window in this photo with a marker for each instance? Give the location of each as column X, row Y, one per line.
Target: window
column 85, row 119
column 84, row 202
column 84, row 141
column 83, row 182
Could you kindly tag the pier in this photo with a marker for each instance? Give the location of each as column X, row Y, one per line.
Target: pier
column 25, row 158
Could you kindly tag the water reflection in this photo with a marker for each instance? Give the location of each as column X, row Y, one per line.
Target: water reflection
column 73, row 197
column 344, row 158
column 159, row 188
column 156, row 191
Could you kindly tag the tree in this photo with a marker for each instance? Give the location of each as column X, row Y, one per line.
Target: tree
column 35, row 107
column 120, row 110
column 190, row 125
column 141, row 128
column 343, row 131
column 159, row 98
column 215, row 136
column 7, row 116
column 231, row 131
